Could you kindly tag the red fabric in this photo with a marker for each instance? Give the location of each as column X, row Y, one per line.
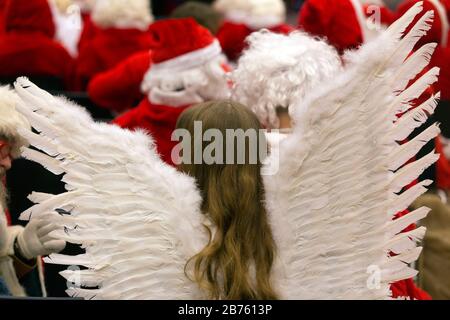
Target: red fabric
column 232, row 37
column 26, row 15
column 27, row 46
column 441, row 59
column 2, row 15
column 175, row 37
column 337, row 21
column 159, row 121
column 119, row 88
column 442, row 168
column 107, row 48
column 406, row 289
column 8, row 217
column 88, row 31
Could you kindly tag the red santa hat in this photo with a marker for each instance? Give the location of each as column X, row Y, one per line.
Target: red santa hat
column 345, row 23
column 440, row 30
column 189, row 46
column 185, row 55
column 29, row 15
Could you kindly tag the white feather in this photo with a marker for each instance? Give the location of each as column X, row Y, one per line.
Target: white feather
column 332, row 201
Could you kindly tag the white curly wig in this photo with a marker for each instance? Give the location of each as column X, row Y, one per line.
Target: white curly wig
column 256, row 14
column 122, row 14
column 279, row 70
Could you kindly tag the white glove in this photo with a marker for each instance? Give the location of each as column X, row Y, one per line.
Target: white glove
column 35, row 240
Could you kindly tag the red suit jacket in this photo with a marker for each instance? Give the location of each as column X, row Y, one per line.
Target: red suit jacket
column 160, row 121
column 119, row 89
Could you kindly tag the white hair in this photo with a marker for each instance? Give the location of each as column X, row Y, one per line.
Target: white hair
column 195, row 85
column 254, row 13
column 122, row 14
column 278, row 70
column 11, row 120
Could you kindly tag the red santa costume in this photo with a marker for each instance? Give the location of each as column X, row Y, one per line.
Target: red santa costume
column 2, row 12
column 27, row 46
column 88, row 30
column 186, row 70
column 345, row 23
column 121, row 29
column 243, row 17
column 119, row 89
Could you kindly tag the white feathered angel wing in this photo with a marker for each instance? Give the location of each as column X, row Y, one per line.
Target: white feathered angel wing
column 342, row 171
column 138, row 219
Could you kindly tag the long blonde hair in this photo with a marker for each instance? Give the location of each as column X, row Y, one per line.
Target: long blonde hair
column 237, row 262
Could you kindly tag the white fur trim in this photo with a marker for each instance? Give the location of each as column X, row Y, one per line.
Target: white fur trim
column 444, row 21
column 122, row 14
column 175, row 99
column 278, row 70
column 11, row 120
column 178, row 88
column 189, row 60
column 256, row 14
column 254, row 22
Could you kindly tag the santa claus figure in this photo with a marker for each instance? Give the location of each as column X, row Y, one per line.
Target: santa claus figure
column 27, row 45
column 19, row 247
column 346, row 24
column 243, row 17
column 121, row 29
column 188, row 68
